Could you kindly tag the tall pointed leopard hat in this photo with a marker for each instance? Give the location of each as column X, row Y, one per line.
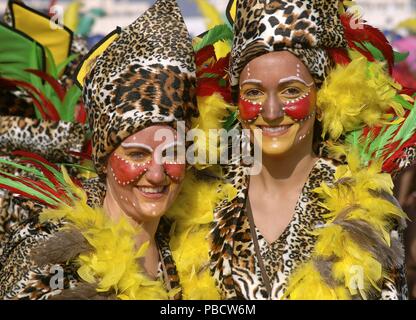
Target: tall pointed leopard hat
column 137, row 77
column 305, row 28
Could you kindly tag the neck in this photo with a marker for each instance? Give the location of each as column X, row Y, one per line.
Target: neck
column 286, row 170
column 147, row 232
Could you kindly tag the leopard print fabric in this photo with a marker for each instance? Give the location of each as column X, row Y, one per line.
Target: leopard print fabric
column 79, row 47
column 408, row 159
column 305, row 28
column 146, row 76
column 22, row 278
column 53, row 140
column 234, row 262
column 13, row 212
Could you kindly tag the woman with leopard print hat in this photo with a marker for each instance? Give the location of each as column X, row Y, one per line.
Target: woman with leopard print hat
column 319, row 221
column 132, row 240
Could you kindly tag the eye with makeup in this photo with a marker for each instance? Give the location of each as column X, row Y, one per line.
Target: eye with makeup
column 293, row 91
column 137, row 155
column 252, row 94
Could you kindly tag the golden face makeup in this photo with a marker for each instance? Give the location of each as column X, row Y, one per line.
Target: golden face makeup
column 144, row 182
column 280, row 103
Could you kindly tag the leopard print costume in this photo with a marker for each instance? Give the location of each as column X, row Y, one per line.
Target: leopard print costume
column 234, row 262
column 305, row 28
column 146, row 76
column 22, row 276
column 50, row 139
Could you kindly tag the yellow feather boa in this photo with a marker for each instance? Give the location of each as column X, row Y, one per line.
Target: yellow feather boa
column 351, row 191
column 356, row 95
column 113, row 264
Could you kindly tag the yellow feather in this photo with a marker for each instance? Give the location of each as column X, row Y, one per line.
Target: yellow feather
column 352, row 263
column 112, row 265
column 355, row 95
column 213, row 109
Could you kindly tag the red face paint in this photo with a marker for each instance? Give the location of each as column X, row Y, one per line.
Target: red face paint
column 298, row 110
column 175, row 171
column 126, row 172
column 248, row 109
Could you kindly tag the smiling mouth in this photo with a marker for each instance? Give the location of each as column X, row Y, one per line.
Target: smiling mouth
column 152, row 192
column 275, row 131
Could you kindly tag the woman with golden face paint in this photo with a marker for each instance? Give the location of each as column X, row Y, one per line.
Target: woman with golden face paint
column 298, row 229
column 286, row 116
column 114, row 236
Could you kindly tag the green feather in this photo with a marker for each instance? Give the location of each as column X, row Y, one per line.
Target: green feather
column 408, row 128
column 60, row 67
column 400, row 56
column 219, row 33
column 33, row 171
column 70, row 102
column 406, row 104
column 26, row 189
column 73, row 165
column 52, row 69
column 35, row 187
column 230, row 121
column 383, row 140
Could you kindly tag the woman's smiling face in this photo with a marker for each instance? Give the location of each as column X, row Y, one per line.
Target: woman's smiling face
column 144, row 174
column 278, row 96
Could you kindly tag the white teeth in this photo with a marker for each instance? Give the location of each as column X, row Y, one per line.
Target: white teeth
column 275, row 129
column 152, row 190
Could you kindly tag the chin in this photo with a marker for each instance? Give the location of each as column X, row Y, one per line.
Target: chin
column 145, row 215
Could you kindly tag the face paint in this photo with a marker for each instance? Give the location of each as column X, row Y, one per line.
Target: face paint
column 249, row 110
column 126, row 172
column 174, row 170
column 299, row 109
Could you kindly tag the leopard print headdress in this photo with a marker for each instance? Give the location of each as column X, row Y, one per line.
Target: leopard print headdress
column 145, row 76
column 305, row 28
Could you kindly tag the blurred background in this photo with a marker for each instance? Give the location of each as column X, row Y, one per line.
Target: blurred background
column 93, row 19
column 385, row 14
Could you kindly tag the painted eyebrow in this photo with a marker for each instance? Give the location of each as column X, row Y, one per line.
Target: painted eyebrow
column 251, row 81
column 294, row 78
column 129, row 145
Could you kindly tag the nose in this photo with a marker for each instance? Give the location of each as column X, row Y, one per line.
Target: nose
column 272, row 108
column 156, row 174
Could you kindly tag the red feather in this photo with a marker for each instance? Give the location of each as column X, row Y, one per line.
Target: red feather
column 391, row 164
column 367, row 33
column 216, row 68
column 48, row 106
column 81, row 114
column 60, row 91
column 31, row 155
column 207, row 87
column 339, row 56
column 204, row 54
column 24, row 194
